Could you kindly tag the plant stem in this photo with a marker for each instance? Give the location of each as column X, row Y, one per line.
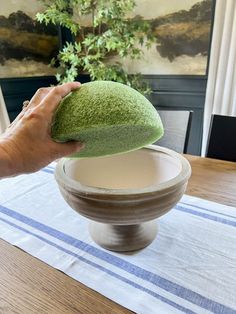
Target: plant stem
column 82, row 32
column 93, row 5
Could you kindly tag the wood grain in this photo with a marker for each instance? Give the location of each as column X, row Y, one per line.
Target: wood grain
column 28, row 285
column 213, row 179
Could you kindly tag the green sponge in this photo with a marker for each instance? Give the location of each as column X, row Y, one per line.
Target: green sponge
column 108, row 117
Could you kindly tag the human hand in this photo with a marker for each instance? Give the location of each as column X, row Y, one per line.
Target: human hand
column 27, row 142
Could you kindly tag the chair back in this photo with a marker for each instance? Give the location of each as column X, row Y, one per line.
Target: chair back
column 222, row 138
column 177, row 124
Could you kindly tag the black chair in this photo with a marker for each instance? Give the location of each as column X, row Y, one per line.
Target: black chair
column 177, row 124
column 222, row 138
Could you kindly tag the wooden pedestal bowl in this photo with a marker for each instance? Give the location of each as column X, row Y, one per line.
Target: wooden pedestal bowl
column 122, row 195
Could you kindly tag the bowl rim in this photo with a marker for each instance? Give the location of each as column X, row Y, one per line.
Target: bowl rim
column 77, row 187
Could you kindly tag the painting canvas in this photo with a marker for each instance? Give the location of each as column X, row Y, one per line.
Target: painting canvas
column 182, row 29
column 26, row 46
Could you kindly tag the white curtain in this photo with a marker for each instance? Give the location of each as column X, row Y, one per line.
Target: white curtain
column 4, row 119
column 221, row 84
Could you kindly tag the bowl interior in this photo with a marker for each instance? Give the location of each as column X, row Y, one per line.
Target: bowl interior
column 134, row 170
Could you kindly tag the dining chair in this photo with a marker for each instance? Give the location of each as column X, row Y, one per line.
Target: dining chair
column 4, row 118
column 177, row 124
column 222, row 138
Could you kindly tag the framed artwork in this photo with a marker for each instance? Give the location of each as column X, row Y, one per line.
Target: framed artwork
column 26, row 46
column 182, row 29
column 183, row 32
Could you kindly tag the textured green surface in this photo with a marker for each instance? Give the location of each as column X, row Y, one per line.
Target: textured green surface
column 108, row 117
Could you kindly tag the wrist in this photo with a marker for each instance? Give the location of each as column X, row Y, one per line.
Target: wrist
column 8, row 164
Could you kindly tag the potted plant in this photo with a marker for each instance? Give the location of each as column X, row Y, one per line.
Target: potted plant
column 102, row 30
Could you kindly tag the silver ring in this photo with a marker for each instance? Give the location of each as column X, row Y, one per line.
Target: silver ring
column 25, row 104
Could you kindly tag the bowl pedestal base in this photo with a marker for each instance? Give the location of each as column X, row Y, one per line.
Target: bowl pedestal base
column 123, row 238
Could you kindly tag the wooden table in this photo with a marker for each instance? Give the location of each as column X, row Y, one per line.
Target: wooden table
column 27, row 285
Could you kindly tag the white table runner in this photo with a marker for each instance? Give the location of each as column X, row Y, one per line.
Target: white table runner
column 190, row 267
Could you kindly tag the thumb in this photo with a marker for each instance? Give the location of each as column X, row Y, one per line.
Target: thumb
column 65, row 149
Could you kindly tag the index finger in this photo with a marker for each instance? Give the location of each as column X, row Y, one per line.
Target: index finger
column 51, row 101
column 40, row 94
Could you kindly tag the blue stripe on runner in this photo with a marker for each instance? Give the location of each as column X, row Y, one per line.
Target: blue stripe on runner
column 208, row 210
column 101, row 268
column 51, row 166
column 139, row 272
column 48, row 170
column 207, row 216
